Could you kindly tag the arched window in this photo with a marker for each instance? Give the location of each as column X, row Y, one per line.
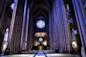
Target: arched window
column 5, row 40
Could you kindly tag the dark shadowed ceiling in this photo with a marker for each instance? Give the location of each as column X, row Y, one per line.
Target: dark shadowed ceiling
column 40, row 8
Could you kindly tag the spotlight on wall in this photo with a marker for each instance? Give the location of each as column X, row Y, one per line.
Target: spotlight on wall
column 36, row 43
column 44, row 43
column 74, row 44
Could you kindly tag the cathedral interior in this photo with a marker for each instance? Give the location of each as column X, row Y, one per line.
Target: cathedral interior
column 42, row 28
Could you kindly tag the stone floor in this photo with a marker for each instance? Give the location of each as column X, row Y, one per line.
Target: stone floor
column 41, row 54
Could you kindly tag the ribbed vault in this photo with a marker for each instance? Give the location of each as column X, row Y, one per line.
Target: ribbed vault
column 40, row 8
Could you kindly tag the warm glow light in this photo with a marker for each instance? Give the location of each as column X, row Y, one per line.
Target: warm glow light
column 36, row 43
column 74, row 44
column 40, row 34
column 45, row 43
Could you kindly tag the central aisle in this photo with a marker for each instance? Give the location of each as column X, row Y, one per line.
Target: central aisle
column 40, row 54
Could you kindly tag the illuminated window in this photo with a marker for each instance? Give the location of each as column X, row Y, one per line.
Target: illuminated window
column 40, row 24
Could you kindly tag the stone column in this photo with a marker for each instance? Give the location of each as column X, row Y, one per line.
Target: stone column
column 58, row 24
column 4, row 20
column 61, row 27
column 66, row 28
column 24, row 24
column 51, row 30
column 30, row 34
column 12, row 24
column 16, row 26
column 83, row 8
column 81, row 23
column 27, row 26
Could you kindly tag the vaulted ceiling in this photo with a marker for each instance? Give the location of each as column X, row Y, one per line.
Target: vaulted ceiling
column 40, row 8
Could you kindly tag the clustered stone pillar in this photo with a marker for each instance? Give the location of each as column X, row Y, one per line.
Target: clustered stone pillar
column 19, row 26
column 30, row 34
column 16, row 26
column 80, row 21
column 4, row 20
column 81, row 25
column 51, row 30
column 25, row 25
column 61, row 36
